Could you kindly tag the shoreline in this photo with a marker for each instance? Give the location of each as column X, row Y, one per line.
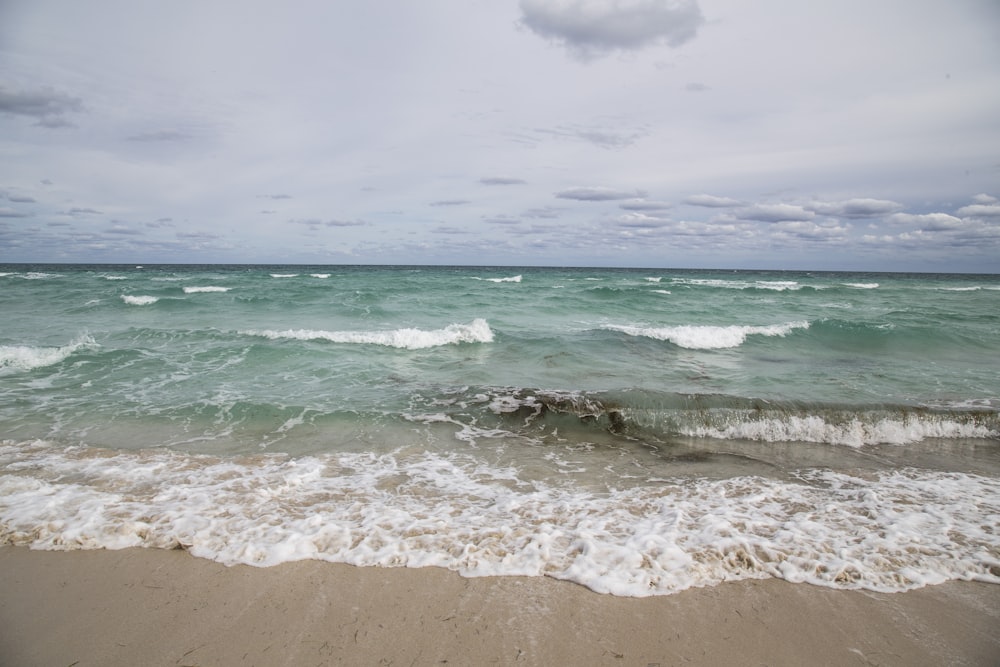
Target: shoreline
column 158, row 607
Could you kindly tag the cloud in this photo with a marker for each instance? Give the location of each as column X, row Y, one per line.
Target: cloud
column 711, row 201
column 983, row 198
column 591, row 28
column 8, row 212
column 972, row 211
column 856, row 208
column 641, row 221
column 83, row 211
column 695, row 87
column 599, row 194
column 645, row 205
column 927, row 222
column 501, row 180
column 543, row 213
column 197, row 236
column 46, row 105
column 603, row 137
column 17, row 199
column 775, row 213
column 450, row 202
column 502, row 220
column 314, row 223
column 278, row 196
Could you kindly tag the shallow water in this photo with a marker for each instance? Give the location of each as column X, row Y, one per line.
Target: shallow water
column 636, row 431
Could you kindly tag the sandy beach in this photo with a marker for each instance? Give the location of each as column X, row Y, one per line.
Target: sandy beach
column 151, row 607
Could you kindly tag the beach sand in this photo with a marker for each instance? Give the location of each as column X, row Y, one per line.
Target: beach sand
column 150, row 607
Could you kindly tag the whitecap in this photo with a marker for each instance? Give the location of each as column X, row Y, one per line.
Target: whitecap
column 511, row 279
column 207, row 288
column 702, row 337
column 139, row 300
column 478, row 331
column 28, row 357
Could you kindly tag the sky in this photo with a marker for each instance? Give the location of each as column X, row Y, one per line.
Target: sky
column 779, row 134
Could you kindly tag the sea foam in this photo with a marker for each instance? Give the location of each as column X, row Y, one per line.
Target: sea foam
column 478, row 331
column 888, row 531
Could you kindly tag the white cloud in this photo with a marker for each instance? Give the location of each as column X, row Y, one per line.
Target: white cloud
column 927, row 222
column 590, row 28
column 980, row 211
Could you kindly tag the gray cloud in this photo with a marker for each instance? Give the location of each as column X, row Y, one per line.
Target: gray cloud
column 8, row 212
column 645, row 205
column 856, row 208
column 449, row 229
column 277, row 196
column 197, row 236
column 314, row 223
column 21, row 199
column 501, row 180
column 544, row 213
column 599, row 194
column 591, row 28
column 46, row 105
column 695, row 87
column 603, row 137
column 83, row 211
column 450, row 202
column 711, row 201
column 502, row 220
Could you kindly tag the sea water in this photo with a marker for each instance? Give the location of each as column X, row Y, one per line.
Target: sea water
column 635, row 431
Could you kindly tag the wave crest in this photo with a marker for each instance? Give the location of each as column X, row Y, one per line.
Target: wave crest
column 704, row 337
column 478, row 331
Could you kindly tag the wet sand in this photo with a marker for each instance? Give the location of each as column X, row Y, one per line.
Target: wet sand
column 150, row 607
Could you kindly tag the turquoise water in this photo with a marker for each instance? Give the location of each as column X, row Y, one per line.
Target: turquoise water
column 637, row 431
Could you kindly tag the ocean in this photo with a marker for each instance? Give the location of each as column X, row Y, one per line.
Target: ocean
column 636, row 431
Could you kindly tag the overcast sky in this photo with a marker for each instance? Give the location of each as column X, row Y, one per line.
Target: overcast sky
column 847, row 134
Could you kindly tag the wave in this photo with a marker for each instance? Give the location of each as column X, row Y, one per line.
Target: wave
column 139, row 300
column 209, row 288
column 32, row 275
column 320, row 275
column 478, row 331
column 704, row 337
column 662, row 417
column 284, row 275
column 862, row 285
column 511, row 279
column 890, row 531
column 27, row 357
column 773, row 285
